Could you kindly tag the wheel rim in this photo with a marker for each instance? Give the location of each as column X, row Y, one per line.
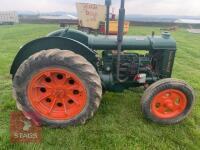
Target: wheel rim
column 57, row 94
column 168, row 104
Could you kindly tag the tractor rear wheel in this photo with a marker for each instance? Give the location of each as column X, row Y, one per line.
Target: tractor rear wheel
column 168, row 101
column 57, row 88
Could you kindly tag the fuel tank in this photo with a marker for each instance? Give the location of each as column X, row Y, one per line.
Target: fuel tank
column 103, row 42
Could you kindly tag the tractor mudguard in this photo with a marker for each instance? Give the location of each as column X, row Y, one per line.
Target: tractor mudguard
column 72, row 34
column 47, row 43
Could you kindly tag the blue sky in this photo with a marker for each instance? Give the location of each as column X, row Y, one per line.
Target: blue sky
column 147, row 7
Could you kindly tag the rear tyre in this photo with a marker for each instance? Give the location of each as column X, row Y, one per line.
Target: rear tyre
column 57, row 88
column 168, row 101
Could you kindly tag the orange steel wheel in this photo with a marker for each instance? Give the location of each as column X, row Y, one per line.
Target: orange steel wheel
column 57, row 88
column 57, row 94
column 168, row 101
column 168, row 104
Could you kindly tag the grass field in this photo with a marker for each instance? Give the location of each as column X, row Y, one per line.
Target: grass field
column 119, row 123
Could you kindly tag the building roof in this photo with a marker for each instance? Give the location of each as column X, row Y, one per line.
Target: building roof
column 64, row 17
column 197, row 31
column 188, row 21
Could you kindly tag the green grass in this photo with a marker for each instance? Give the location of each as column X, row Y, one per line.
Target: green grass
column 119, row 123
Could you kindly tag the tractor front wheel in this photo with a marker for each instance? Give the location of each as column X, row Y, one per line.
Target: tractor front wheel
column 57, row 88
column 168, row 101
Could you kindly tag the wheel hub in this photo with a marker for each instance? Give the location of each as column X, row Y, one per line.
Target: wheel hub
column 57, row 94
column 168, row 104
column 60, row 93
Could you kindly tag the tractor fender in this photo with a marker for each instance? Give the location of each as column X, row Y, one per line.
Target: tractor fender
column 72, row 34
column 47, row 43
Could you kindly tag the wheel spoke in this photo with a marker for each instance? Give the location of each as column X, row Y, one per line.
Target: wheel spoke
column 166, row 95
column 54, row 80
column 52, row 105
column 43, row 84
column 161, row 109
column 161, row 100
column 43, row 96
column 47, row 74
column 74, row 98
column 175, row 108
column 58, row 81
column 73, row 87
column 180, row 106
column 174, row 97
column 67, row 76
column 65, row 106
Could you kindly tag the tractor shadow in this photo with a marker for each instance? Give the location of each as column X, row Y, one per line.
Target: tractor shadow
column 120, row 105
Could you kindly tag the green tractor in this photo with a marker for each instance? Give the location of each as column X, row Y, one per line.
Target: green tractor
column 58, row 79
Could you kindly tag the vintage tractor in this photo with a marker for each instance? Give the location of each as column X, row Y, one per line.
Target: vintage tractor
column 58, row 79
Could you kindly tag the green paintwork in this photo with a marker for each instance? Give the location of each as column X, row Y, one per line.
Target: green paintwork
column 161, row 49
column 102, row 42
column 50, row 43
column 164, row 42
column 72, row 34
column 110, row 42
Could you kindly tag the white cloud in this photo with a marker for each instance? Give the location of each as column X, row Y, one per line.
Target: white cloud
column 152, row 7
column 164, row 7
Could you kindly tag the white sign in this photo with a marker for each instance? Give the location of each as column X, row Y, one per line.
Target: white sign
column 90, row 15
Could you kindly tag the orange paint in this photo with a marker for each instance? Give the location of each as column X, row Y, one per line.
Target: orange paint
column 57, row 94
column 168, row 104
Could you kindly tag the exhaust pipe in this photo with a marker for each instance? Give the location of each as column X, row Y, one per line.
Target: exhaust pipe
column 120, row 39
column 108, row 4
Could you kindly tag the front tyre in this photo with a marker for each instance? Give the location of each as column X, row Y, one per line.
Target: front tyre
column 168, row 101
column 57, row 88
